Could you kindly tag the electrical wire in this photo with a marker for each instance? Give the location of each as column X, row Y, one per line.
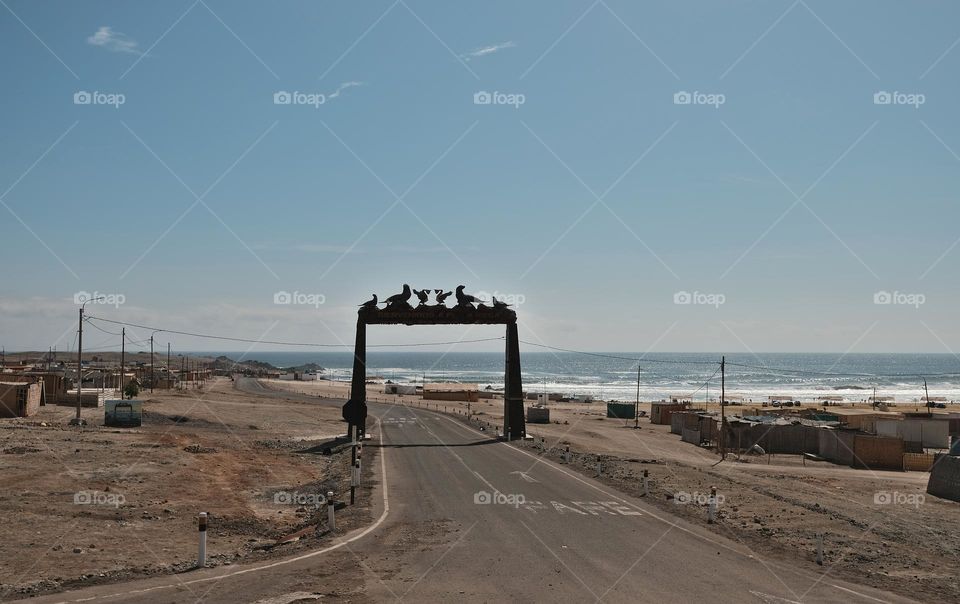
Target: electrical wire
column 703, row 385
column 276, row 343
column 634, row 359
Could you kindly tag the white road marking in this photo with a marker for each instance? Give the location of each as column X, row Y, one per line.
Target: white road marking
column 525, row 476
column 773, row 599
column 857, row 593
column 654, row 515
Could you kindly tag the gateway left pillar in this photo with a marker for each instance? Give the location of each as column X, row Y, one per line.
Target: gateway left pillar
column 355, row 409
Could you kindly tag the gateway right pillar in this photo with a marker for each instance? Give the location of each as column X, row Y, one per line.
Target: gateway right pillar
column 514, row 425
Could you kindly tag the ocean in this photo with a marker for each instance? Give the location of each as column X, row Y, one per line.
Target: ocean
column 805, row 375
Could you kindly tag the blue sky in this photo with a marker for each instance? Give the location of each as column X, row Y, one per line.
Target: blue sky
column 784, row 209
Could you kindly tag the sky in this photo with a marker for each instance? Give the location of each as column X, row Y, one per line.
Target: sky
column 737, row 176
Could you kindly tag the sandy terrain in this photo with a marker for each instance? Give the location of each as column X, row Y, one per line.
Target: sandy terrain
column 775, row 506
column 220, row 451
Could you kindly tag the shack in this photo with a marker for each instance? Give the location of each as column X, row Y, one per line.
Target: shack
column 450, row 392
column 20, row 399
column 660, row 411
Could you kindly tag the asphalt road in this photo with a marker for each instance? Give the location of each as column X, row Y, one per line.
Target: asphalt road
column 466, row 518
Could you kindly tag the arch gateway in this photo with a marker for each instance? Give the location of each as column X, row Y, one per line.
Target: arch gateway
column 467, row 311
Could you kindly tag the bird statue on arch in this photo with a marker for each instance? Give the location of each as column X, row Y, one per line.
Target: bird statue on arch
column 465, row 300
column 371, row 303
column 442, row 296
column 423, row 295
column 401, row 299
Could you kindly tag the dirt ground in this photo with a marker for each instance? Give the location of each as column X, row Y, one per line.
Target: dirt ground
column 880, row 528
column 98, row 504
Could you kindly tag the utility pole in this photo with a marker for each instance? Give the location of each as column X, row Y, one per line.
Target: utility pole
column 123, row 351
column 168, row 366
column 636, row 406
column 78, row 421
column 151, row 364
column 183, row 372
column 723, row 414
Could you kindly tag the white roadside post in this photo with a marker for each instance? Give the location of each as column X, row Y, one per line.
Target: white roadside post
column 330, row 519
column 712, row 506
column 202, row 553
column 646, row 482
column 599, row 465
column 566, row 455
column 820, row 549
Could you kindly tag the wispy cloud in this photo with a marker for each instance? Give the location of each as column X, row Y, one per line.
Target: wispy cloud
column 343, row 87
column 486, row 50
column 114, row 41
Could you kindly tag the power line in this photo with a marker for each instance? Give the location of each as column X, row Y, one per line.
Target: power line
column 703, row 385
column 634, row 359
column 277, row 343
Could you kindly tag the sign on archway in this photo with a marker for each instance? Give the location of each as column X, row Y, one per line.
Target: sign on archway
column 467, row 310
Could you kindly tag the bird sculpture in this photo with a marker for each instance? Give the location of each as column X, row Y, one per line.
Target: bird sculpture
column 400, row 298
column 442, row 296
column 464, row 299
column 371, row 303
column 499, row 304
column 422, row 294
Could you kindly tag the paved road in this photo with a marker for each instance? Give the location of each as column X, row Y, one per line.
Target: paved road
column 466, row 518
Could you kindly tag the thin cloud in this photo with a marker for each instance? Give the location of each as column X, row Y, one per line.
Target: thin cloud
column 114, row 41
column 343, row 87
column 487, row 50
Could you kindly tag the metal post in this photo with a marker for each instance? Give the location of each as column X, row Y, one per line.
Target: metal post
column 353, row 464
column 646, row 482
column 636, row 406
column 330, row 519
column 712, row 506
column 723, row 415
column 202, row 553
